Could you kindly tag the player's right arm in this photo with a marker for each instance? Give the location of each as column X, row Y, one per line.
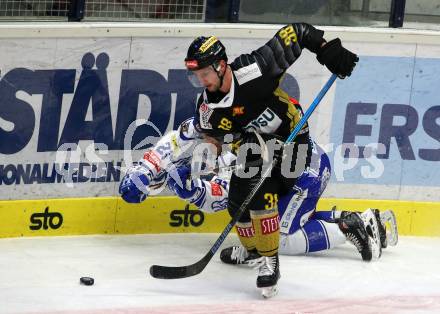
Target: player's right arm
column 135, row 185
column 173, row 148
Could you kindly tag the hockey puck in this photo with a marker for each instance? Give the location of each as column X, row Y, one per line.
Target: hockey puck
column 87, row 281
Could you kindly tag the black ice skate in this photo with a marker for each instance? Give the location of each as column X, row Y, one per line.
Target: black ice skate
column 237, row 255
column 372, row 226
column 268, row 274
column 352, row 225
column 382, row 229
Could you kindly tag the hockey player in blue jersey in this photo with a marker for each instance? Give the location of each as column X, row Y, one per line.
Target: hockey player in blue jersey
column 303, row 229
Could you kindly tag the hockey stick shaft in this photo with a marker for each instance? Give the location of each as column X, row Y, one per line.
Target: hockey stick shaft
column 312, row 108
column 175, row 272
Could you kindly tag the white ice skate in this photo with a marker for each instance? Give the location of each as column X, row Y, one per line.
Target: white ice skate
column 371, row 225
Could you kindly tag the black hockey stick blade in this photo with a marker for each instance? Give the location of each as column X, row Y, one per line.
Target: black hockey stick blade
column 177, row 272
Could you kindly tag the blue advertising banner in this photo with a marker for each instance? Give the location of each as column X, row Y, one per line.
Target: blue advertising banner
column 392, row 104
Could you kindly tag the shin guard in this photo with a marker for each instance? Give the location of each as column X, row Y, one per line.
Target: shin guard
column 246, row 234
column 267, row 231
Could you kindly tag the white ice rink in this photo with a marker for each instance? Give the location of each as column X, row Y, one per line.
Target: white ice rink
column 41, row 275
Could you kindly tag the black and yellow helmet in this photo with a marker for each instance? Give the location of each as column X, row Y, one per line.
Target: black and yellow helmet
column 203, row 52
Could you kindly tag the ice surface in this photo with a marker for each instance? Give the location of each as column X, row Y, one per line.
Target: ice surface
column 41, row 275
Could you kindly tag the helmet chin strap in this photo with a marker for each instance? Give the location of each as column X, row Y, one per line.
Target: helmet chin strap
column 218, row 74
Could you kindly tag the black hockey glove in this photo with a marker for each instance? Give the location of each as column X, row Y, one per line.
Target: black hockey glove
column 337, row 59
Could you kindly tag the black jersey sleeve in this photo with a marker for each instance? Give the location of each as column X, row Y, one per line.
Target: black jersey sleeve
column 280, row 52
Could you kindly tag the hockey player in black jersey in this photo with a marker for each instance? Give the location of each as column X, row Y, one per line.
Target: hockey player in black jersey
column 243, row 100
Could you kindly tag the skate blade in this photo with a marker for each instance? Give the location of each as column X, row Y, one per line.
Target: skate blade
column 389, row 220
column 269, row 292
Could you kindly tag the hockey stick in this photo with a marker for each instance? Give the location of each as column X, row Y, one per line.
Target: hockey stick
column 175, row 272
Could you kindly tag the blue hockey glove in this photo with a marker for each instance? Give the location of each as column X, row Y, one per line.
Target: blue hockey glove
column 134, row 185
column 178, row 183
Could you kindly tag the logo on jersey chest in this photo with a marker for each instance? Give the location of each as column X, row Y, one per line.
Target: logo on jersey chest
column 237, row 111
column 205, row 114
column 266, row 122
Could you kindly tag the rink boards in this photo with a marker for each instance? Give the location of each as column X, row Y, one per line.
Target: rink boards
column 69, row 103
column 168, row 214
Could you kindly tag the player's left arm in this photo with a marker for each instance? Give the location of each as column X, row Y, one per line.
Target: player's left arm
column 150, row 172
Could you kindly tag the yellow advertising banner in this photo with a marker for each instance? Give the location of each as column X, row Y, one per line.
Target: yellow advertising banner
column 167, row 214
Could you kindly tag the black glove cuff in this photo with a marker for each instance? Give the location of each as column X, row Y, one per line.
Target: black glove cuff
column 315, row 40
